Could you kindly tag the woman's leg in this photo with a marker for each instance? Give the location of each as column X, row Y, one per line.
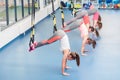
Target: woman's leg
column 57, row 36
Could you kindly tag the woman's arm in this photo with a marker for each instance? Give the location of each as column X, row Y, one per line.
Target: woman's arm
column 64, row 61
column 83, row 45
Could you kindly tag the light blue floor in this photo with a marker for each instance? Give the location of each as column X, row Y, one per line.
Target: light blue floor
column 44, row 63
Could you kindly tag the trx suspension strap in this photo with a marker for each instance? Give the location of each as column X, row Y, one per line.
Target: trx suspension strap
column 62, row 15
column 32, row 23
column 54, row 18
column 73, row 10
column 72, row 5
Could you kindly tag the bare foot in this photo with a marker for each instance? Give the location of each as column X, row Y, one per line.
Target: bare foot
column 67, row 67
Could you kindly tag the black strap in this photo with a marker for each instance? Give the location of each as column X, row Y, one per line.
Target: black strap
column 32, row 24
column 54, row 17
column 62, row 14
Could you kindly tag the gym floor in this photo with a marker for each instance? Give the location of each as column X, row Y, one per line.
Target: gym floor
column 44, row 63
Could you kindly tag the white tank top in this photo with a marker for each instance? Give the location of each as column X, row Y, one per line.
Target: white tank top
column 64, row 42
column 83, row 29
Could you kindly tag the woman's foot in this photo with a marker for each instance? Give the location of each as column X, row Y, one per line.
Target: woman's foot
column 67, row 67
column 32, row 47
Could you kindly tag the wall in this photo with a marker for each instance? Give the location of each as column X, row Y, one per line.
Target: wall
column 20, row 27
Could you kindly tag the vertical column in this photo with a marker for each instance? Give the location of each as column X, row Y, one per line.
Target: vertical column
column 29, row 7
column 22, row 2
column 15, row 10
column 7, row 13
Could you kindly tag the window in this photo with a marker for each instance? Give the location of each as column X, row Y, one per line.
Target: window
column 47, row 2
column 13, row 10
column 2, row 14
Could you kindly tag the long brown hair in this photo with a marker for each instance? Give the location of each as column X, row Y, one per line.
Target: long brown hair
column 97, row 33
column 75, row 56
column 91, row 41
column 91, row 28
column 99, row 24
column 99, row 18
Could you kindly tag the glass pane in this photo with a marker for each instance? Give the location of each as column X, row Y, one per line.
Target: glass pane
column 25, row 7
column 79, row 1
column 93, row 1
column 85, row 1
column 37, row 7
column 19, row 9
column 2, row 15
column 11, row 10
column 45, row 3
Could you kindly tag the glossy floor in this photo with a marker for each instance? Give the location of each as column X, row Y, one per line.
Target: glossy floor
column 44, row 63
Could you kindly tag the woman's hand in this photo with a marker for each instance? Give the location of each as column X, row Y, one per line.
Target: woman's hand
column 67, row 67
column 65, row 74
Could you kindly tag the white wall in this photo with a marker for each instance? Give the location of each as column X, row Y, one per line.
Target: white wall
column 20, row 27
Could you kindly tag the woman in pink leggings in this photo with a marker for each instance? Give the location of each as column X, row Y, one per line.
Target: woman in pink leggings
column 85, row 38
column 65, row 48
column 97, row 20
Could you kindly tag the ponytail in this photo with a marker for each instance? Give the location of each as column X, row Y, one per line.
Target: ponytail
column 91, row 28
column 99, row 18
column 97, row 33
column 93, row 43
column 99, row 24
column 75, row 56
column 77, row 59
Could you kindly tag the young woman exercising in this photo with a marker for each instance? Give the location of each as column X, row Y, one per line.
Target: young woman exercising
column 65, row 48
column 84, row 33
column 85, row 37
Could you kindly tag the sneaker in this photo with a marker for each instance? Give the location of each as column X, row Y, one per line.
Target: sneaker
column 32, row 47
column 35, row 43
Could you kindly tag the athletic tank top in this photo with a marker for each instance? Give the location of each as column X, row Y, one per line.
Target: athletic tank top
column 83, row 29
column 64, row 42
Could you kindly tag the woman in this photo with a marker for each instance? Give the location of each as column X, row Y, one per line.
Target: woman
column 84, row 33
column 65, row 48
column 96, row 18
column 85, row 38
column 97, row 21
